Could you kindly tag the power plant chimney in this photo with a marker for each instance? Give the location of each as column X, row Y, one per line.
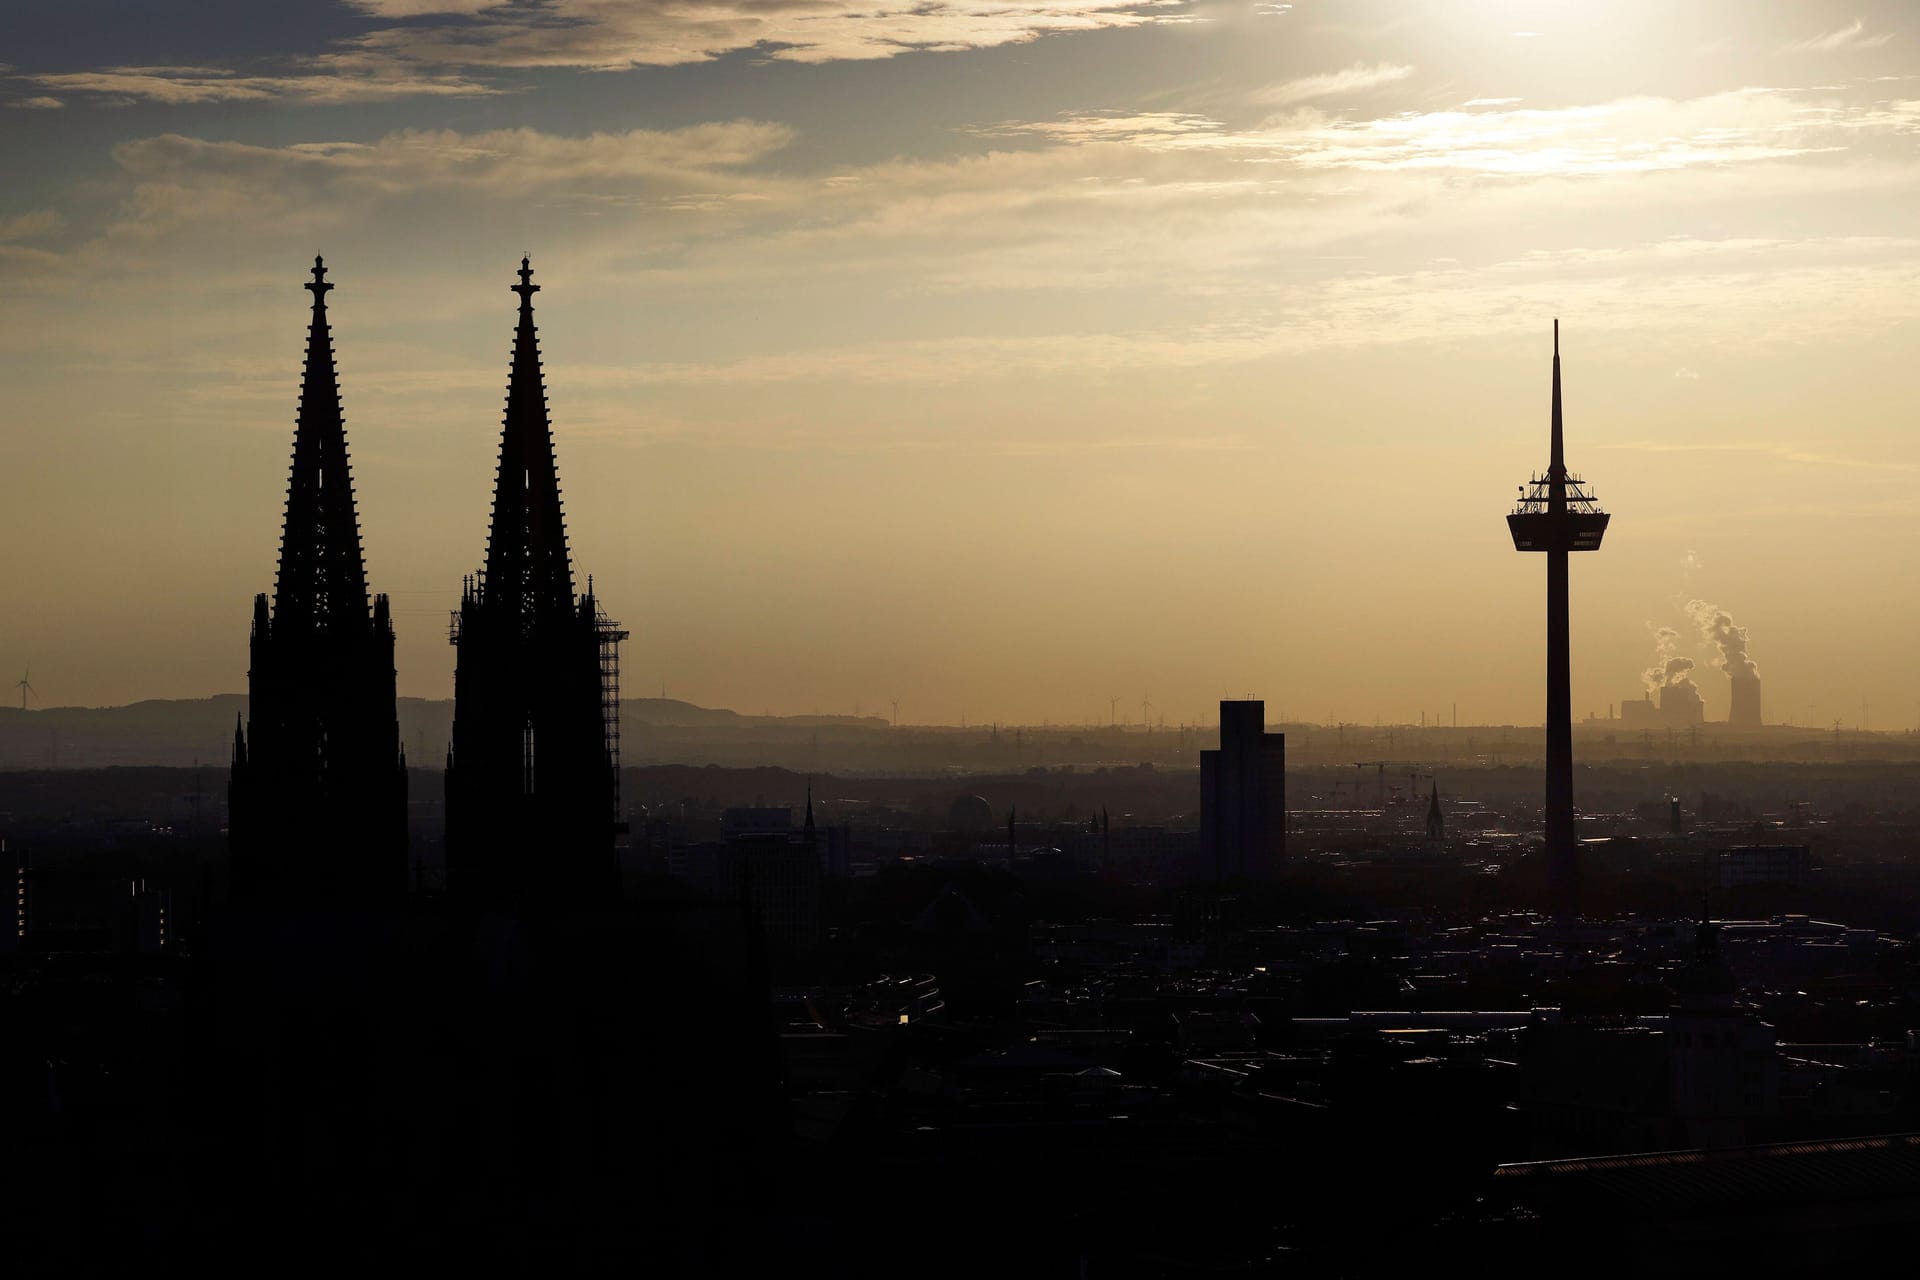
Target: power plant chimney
column 1744, row 712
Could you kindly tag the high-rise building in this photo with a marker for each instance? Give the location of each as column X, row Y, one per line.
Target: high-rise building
column 532, row 770
column 317, row 801
column 1243, row 796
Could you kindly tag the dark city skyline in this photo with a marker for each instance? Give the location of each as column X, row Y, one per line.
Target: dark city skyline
column 1073, row 794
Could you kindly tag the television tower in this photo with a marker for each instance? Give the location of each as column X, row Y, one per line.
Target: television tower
column 1557, row 515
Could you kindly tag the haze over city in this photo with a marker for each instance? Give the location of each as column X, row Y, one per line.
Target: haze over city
column 998, row 360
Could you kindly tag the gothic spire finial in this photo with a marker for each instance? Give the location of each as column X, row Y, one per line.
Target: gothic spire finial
column 318, row 285
column 526, row 288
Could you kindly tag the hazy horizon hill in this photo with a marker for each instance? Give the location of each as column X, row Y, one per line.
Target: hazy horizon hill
column 182, row 732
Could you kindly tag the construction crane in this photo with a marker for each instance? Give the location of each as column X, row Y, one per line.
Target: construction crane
column 1415, row 774
column 1381, row 776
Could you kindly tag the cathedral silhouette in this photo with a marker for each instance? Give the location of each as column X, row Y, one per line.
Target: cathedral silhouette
column 535, row 1068
column 318, row 795
column 532, row 771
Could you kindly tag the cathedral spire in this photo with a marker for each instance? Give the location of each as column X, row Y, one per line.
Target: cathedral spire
column 527, row 558
column 317, row 799
column 322, row 581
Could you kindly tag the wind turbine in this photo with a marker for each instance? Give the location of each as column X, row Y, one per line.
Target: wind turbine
column 896, row 711
column 25, row 688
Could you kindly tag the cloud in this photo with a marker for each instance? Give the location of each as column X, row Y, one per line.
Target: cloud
column 37, row 104
column 175, row 86
column 419, row 159
column 1852, row 36
column 1205, row 243
column 424, row 8
column 1146, row 128
column 247, row 190
column 1358, row 78
column 613, row 35
column 38, row 224
column 1630, row 135
column 30, row 226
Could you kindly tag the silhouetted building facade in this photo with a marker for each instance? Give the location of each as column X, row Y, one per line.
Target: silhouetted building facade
column 531, row 773
column 317, row 799
column 1243, row 796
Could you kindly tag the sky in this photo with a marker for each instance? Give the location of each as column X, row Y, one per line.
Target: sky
column 1004, row 357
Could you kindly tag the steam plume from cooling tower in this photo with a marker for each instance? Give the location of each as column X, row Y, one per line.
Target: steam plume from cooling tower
column 1717, row 628
column 1667, row 668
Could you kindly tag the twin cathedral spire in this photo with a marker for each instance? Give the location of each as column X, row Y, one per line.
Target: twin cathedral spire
column 318, row 788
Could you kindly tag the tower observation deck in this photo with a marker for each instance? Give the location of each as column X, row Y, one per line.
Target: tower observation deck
column 1556, row 515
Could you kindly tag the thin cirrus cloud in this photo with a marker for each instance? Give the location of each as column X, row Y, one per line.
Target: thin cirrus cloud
column 1629, row 135
column 412, row 160
column 1358, row 78
column 229, row 189
column 614, row 35
column 1852, row 36
column 179, row 86
column 1027, row 210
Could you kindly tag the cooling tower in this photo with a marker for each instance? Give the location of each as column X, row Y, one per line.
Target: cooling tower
column 1680, row 704
column 1745, row 711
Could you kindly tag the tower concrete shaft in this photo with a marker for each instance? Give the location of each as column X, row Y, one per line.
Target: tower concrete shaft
column 1562, row 869
column 1557, row 516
